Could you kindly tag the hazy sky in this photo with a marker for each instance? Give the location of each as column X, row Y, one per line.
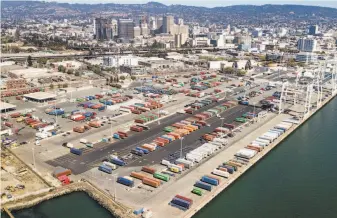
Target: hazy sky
column 212, row 3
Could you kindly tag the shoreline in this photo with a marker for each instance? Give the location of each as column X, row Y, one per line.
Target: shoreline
column 196, row 208
column 115, row 208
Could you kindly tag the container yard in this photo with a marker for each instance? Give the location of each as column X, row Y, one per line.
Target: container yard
column 170, row 148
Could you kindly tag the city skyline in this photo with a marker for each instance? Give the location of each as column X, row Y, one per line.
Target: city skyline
column 213, row 3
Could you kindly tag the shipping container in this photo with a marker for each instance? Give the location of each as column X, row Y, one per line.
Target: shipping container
column 220, row 173
column 209, row 180
column 197, row 191
column 76, row 151
column 160, row 176
column 203, row 185
column 125, row 181
column 105, row 168
column 148, row 169
column 138, row 175
column 117, row 161
column 151, row 182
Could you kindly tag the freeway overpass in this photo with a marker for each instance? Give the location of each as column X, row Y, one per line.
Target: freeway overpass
column 85, row 54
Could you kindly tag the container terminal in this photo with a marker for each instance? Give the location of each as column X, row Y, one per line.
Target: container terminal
column 166, row 155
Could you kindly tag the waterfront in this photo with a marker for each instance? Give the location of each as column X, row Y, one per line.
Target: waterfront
column 74, row 205
column 295, row 174
column 296, row 179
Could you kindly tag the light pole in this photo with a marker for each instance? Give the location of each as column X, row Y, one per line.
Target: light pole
column 222, row 120
column 181, row 147
column 254, row 112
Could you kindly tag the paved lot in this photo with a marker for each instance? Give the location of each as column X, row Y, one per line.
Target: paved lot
column 80, row 164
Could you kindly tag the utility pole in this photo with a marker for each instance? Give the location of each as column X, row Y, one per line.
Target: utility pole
column 181, row 147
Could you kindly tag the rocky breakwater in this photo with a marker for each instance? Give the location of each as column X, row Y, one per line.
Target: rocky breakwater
column 117, row 209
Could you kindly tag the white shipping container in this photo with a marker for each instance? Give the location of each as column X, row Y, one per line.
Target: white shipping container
column 194, row 158
column 262, row 140
column 278, row 133
column 271, row 135
column 223, row 141
column 111, row 165
column 259, row 143
column 187, row 163
column 165, row 162
column 246, row 153
column 47, row 128
column 267, row 139
column 220, row 173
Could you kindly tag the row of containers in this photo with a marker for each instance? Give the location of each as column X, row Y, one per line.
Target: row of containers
column 138, row 108
column 91, row 105
column 21, row 92
column 153, row 90
column 88, row 126
column 200, row 104
column 224, row 170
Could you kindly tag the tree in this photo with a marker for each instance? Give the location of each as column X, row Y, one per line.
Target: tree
column 42, row 61
column 59, row 86
column 241, row 72
column 111, row 79
column 60, row 68
column 70, row 71
column 133, row 77
column 122, row 77
column 29, row 61
column 65, row 85
column 248, row 65
column 77, row 73
column 228, row 70
column 107, row 81
column 235, row 65
column 51, row 86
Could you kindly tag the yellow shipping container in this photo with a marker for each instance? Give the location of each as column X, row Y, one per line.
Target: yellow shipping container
column 174, row 169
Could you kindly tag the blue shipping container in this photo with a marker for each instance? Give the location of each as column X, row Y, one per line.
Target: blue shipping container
column 203, row 185
column 137, row 152
column 209, row 180
column 145, row 151
column 117, row 162
column 125, row 181
column 75, row 151
column 116, row 136
column 181, row 202
column 230, row 169
column 105, row 169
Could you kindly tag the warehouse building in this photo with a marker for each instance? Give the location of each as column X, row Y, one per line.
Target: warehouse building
column 5, row 107
column 40, row 97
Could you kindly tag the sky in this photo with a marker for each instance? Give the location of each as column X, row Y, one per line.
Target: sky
column 212, row 3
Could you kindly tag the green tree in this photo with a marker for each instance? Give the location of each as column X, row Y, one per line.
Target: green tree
column 228, row 70
column 241, row 72
column 70, row 71
column 51, row 86
column 59, row 86
column 133, row 77
column 77, row 73
column 65, row 85
column 29, row 61
column 42, row 61
column 60, row 68
column 122, row 77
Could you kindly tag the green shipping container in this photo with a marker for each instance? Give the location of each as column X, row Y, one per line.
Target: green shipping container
column 160, row 176
column 197, row 191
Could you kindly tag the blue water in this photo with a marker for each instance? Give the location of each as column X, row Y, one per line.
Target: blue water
column 297, row 179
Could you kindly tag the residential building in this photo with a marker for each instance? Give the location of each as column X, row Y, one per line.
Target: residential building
column 307, row 45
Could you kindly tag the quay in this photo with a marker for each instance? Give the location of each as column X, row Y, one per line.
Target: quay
column 195, row 208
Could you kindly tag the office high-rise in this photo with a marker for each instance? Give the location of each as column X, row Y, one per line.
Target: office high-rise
column 125, row 28
column 103, row 29
column 307, row 45
column 168, row 22
column 313, row 30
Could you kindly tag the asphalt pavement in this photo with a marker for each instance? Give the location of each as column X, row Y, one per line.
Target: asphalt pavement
column 80, row 164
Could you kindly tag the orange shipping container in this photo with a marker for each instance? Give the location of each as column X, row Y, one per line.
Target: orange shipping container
column 138, row 175
column 151, row 182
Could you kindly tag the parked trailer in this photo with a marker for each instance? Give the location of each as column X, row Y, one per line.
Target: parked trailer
column 220, row 173
column 186, row 163
column 125, row 181
column 76, row 151
column 105, row 168
column 111, row 165
column 209, row 180
column 203, row 185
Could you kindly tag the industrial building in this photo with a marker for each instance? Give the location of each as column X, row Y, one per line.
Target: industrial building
column 115, row 61
column 161, row 63
column 5, row 107
column 40, row 97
